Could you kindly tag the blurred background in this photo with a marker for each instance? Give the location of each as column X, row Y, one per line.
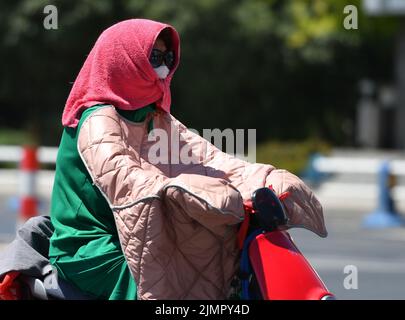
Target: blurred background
column 321, row 81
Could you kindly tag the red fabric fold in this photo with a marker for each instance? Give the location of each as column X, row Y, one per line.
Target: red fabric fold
column 10, row 289
column 243, row 229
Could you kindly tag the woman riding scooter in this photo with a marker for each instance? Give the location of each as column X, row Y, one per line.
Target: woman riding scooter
column 128, row 226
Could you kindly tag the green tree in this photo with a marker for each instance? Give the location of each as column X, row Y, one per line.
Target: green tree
column 285, row 67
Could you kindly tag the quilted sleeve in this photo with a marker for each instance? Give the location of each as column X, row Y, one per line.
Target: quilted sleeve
column 244, row 176
column 213, row 203
column 112, row 164
column 302, row 206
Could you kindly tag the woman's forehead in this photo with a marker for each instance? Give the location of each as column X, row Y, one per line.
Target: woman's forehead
column 160, row 45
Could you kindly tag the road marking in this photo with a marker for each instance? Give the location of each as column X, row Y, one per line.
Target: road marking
column 355, row 196
column 336, row 263
column 3, row 246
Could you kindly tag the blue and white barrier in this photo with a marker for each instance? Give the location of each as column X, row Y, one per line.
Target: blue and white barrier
column 385, row 213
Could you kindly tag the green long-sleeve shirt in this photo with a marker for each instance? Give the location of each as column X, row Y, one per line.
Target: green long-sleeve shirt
column 85, row 248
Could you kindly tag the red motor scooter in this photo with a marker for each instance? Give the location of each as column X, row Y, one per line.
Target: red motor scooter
column 272, row 267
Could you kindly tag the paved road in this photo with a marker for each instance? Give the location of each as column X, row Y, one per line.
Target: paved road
column 378, row 255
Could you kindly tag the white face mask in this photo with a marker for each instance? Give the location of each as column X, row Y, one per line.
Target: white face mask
column 162, row 71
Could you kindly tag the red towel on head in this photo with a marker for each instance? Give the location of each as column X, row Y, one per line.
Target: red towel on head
column 117, row 71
